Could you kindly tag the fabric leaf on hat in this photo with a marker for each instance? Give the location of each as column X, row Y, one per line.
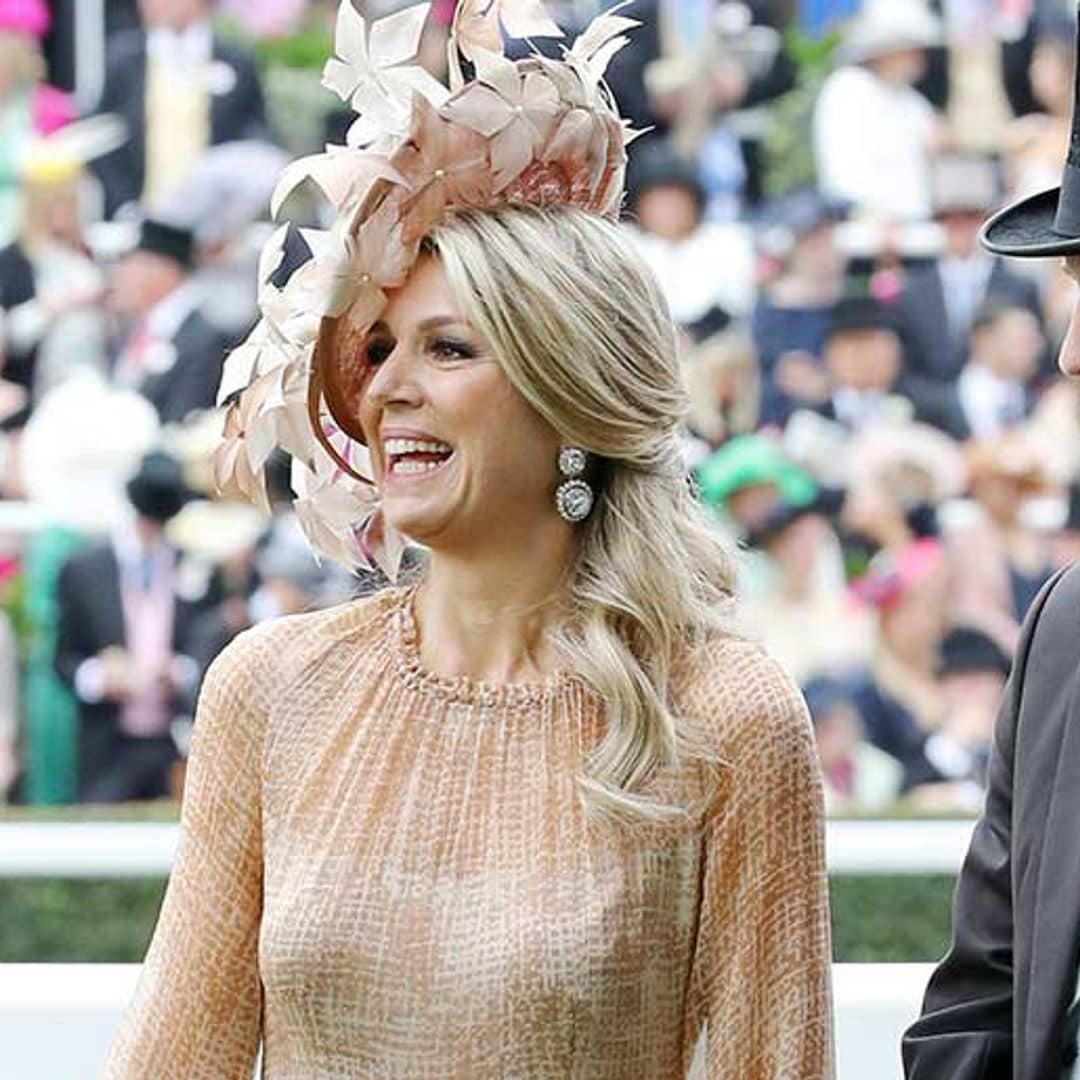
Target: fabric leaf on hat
column 234, row 473
column 527, row 19
column 350, row 269
column 444, row 164
column 368, row 70
column 477, row 24
column 343, row 174
column 599, row 42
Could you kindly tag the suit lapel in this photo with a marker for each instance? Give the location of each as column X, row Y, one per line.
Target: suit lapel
column 137, row 121
column 112, row 602
column 1055, row 934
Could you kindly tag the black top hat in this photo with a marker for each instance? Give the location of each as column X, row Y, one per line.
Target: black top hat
column 1047, row 223
column 173, row 242
column 966, row 649
column 861, row 313
column 158, row 491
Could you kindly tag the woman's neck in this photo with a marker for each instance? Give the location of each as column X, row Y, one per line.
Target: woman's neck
column 488, row 619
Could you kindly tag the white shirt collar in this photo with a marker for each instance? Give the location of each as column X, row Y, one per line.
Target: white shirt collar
column 129, row 550
column 192, row 47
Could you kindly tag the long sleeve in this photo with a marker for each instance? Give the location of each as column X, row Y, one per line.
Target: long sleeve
column 761, row 976
column 965, row 1031
column 197, row 1008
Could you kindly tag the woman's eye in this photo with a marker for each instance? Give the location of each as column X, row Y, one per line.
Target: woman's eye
column 451, row 349
column 375, row 353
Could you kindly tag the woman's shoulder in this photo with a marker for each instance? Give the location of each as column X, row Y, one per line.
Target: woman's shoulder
column 739, row 695
column 268, row 654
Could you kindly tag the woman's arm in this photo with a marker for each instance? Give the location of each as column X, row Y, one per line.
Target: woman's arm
column 761, row 978
column 197, row 1008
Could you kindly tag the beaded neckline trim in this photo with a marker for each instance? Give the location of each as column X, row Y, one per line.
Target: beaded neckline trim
column 462, row 688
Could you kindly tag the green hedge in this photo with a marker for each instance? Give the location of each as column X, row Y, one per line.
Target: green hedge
column 893, row 919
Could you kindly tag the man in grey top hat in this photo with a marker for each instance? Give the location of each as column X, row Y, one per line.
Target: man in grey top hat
column 1004, row 1003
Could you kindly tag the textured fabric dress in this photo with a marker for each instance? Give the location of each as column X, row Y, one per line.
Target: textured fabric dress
column 386, row 872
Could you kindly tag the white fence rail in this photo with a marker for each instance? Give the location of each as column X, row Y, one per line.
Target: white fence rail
column 56, row 1020
column 113, row 850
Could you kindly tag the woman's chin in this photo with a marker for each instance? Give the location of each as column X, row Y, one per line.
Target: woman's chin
column 417, row 519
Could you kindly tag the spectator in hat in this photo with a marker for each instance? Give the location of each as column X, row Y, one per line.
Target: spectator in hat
column 897, row 694
column 1036, row 143
column 942, row 296
column 171, row 354
column 124, row 614
column 180, row 88
column 27, row 105
column 724, row 386
column 972, row 669
column 897, row 479
column 802, row 281
column 863, row 355
column 666, row 221
column 50, row 286
column 992, row 388
column 794, row 596
column 858, row 776
column 873, row 132
column 1001, row 562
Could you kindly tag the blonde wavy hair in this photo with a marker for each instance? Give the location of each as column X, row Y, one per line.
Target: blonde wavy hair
column 583, row 332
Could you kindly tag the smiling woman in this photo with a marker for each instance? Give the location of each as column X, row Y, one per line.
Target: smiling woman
column 537, row 810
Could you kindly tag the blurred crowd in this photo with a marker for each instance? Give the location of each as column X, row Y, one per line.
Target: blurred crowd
column 876, row 413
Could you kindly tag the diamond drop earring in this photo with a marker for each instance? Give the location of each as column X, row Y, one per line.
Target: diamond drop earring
column 573, row 497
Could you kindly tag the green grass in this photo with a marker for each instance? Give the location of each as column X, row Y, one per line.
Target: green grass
column 883, row 919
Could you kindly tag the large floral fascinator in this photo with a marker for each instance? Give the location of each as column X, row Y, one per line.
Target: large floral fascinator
column 534, row 130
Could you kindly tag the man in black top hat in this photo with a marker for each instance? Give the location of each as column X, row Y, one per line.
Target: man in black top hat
column 1004, row 1002
column 124, row 614
column 862, row 354
column 171, row 354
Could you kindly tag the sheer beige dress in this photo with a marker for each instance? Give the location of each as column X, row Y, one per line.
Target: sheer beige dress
column 385, row 872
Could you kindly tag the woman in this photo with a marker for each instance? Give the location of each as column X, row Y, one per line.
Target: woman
column 28, row 106
column 50, row 287
column 536, row 811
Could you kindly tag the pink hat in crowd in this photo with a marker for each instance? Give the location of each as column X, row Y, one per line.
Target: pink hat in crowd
column 891, row 574
column 29, row 16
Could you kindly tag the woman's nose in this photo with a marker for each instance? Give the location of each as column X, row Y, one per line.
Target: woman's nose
column 395, row 379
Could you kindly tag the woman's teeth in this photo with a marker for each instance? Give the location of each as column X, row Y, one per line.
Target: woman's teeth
column 393, row 447
column 406, row 466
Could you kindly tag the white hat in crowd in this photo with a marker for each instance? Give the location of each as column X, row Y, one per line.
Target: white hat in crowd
column 884, row 26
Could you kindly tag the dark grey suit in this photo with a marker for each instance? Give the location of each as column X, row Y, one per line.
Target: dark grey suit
column 933, row 353
column 998, row 1006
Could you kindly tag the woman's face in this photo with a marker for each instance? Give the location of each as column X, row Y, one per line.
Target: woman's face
column 487, row 471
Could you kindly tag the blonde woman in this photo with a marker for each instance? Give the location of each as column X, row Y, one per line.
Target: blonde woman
column 537, row 810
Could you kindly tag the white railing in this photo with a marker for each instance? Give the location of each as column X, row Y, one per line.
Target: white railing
column 116, row 850
column 56, row 1020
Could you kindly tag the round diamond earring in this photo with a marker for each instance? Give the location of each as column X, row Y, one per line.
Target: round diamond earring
column 573, row 497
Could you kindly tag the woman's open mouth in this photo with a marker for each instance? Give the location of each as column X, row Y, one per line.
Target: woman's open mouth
column 412, row 459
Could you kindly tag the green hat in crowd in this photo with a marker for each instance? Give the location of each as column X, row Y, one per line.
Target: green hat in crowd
column 748, row 461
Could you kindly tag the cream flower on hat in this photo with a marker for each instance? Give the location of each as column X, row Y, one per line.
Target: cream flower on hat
column 370, row 71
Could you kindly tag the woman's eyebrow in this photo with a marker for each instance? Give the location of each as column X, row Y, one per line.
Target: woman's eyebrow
column 441, row 320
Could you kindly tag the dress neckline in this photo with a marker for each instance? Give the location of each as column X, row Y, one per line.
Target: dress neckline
column 463, row 689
